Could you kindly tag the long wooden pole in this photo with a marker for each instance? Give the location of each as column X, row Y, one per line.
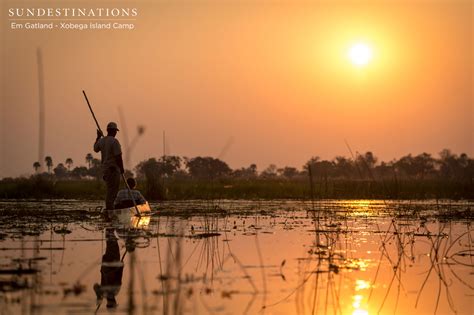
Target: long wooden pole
column 92, row 112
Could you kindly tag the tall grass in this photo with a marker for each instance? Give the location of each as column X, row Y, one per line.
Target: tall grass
column 229, row 188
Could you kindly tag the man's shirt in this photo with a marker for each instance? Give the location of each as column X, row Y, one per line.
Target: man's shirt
column 109, row 148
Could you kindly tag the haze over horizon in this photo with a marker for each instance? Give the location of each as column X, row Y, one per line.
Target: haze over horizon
column 248, row 82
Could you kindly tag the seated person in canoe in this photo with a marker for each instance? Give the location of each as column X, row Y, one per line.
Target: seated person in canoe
column 124, row 196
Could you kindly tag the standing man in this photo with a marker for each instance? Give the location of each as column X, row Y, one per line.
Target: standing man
column 112, row 163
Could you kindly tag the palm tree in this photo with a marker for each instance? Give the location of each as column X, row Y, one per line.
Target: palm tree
column 36, row 166
column 89, row 159
column 69, row 163
column 49, row 163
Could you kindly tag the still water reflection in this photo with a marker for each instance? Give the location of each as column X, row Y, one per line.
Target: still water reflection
column 238, row 257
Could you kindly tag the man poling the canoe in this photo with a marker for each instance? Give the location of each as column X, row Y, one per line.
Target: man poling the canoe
column 112, row 163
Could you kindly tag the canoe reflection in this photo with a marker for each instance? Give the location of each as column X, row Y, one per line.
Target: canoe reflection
column 111, row 271
column 124, row 225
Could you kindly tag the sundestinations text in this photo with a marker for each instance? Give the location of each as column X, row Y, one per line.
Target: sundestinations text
column 71, row 12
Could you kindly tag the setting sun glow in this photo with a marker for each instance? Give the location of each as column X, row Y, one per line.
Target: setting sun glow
column 360, row 54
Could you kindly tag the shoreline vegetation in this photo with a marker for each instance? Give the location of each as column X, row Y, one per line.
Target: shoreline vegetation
column 422, row 176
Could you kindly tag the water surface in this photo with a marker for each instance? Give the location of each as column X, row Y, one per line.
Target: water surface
column 238, row 257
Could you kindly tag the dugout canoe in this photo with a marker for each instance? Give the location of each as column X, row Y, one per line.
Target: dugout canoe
column 129, row 216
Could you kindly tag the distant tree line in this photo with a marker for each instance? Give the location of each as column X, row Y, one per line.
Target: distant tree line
column 362, row 166
column 66, row 171
column 395, row 178
column 365, row 166
column 447, row 175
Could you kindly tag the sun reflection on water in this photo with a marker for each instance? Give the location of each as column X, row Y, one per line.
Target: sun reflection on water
column 362, row 285
column 360, row 207
column 359, row 302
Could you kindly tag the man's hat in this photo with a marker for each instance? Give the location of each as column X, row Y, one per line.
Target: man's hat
column 112, row 125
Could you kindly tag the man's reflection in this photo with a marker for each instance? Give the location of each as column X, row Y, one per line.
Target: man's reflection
column 111, row 271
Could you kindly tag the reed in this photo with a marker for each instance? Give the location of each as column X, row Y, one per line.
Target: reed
column 40, row 187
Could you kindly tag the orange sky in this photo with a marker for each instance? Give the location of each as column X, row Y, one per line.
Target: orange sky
column 268, row 80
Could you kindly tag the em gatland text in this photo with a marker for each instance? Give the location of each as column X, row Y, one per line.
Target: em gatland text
column 72, row 18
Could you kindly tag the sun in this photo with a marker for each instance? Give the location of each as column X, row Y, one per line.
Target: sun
column 360, row 54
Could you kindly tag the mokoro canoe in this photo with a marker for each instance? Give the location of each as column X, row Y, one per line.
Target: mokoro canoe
column 129, row 216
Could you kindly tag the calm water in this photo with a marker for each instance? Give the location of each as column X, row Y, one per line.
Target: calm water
column 238, row 257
